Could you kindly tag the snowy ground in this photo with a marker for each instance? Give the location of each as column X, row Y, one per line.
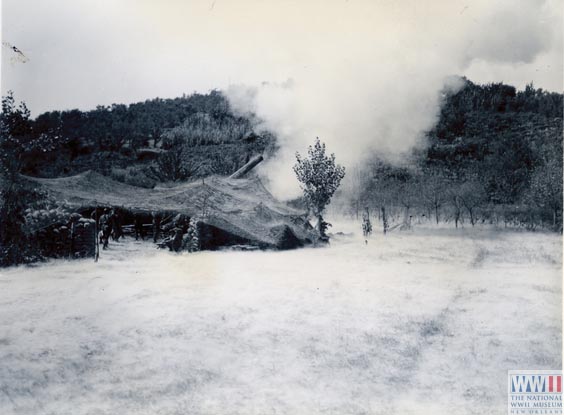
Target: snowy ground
column 421, row 322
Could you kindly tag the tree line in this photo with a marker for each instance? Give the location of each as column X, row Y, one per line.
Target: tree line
column 494, row 156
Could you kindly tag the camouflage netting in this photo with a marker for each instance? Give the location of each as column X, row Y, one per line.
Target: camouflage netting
column 227, row 211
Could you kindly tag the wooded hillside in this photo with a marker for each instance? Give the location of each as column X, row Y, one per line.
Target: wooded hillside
column 495, row 155
column 145, row 142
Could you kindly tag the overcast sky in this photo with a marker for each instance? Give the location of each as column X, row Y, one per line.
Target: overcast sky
column 88, row 52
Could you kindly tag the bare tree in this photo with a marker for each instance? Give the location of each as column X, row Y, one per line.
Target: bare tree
column 434, row 194
column 455, row 202
column 472, row 195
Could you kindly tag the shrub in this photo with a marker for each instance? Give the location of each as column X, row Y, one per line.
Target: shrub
column 134, row 176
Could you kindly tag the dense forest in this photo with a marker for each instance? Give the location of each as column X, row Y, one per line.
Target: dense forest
column 494, row 156
column 146, row 142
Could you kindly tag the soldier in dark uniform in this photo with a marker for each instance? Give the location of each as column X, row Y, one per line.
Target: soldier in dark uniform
column 156, row 226
column 366, row 224
column 139, row 227
column 117, row 232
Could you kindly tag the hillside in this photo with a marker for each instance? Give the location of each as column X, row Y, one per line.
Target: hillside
column 198, row 131
column 495, row 156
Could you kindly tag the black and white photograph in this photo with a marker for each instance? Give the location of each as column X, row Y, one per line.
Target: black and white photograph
column 290, row 207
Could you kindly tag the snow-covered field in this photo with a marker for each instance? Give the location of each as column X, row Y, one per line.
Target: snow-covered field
column 422, row 322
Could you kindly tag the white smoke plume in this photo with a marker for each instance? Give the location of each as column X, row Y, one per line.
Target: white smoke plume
column 376, row 88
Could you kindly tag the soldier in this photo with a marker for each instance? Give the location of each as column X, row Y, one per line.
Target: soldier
column 94, row 215
column 117, row 232
column 177, row 228
column 105, row 228
column 180, row 228
column 156, row 226
column 366, row 225
column 139, row 227
column 322, row 227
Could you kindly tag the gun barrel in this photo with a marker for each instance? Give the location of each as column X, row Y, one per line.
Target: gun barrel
column 251, row 164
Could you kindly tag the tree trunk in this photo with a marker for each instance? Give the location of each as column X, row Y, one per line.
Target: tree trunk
column 384, row 220
column 320, row 227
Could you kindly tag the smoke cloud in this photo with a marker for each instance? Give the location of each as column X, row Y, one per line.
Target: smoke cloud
column 376, row 88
